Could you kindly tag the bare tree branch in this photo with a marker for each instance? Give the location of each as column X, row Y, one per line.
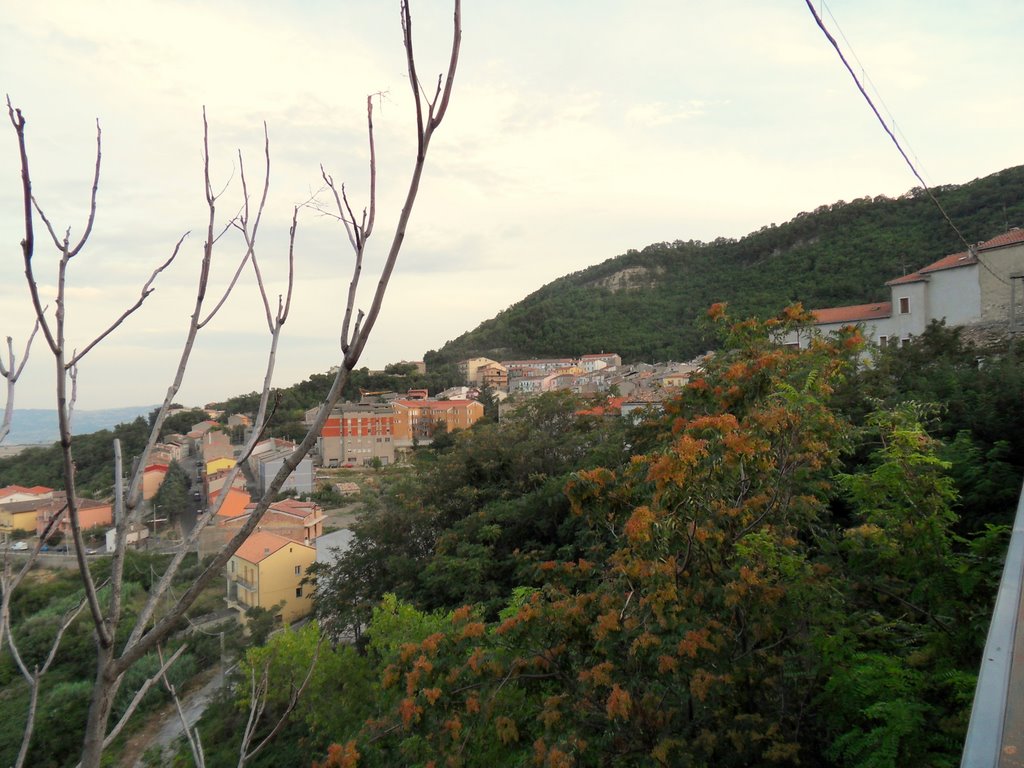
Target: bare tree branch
column 28, row 243
column 141, row 693
column 241, row 222
column 156, row 621
column 147, row 289
column 11, row 373
column 193, row 736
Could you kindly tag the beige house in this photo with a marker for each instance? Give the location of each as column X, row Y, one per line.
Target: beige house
column 266, row 571
column 300, row 521
column 479, row 371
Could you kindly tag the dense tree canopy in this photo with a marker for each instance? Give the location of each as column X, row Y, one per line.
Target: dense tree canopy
column 94, row 460
column 775, row 571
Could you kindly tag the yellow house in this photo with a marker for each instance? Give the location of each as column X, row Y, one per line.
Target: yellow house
column 20, row 507
column 21, row 515
column 267, row 570
column 215, row 465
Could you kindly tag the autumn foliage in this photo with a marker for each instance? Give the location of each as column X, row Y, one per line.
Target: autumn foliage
column 740, row 596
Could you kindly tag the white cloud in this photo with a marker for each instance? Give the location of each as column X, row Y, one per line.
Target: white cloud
column 576, row 131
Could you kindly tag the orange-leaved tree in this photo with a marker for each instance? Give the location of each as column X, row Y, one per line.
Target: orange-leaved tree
column 691, row 630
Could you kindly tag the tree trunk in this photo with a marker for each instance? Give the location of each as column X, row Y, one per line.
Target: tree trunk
column 106, row 687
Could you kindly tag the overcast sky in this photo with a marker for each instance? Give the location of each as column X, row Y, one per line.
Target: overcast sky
column 577, row 130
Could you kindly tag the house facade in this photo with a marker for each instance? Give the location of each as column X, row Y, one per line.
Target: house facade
column 152, row 478
column 982, row 285
column 270, row 463
column 357, row 433
column 91, row 514
column 267, row 571
column 416, row 421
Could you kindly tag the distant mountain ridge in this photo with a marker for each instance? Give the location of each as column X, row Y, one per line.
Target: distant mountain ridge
column 648, row 305
column 38, row 426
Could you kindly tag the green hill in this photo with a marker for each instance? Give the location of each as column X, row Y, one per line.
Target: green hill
column 647, row 305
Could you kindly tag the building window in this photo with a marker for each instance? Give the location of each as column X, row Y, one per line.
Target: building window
column 904, row 305
column 298, row 570
column 883, row 340
column 298, row 591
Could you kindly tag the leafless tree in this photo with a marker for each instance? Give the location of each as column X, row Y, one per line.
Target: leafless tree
column 162, row 611
column 10, row 373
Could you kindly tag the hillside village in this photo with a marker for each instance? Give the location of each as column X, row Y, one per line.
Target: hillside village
column 381, row 429
column 384, row 428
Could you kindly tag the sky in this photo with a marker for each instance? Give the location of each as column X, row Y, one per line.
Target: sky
column 578, row 129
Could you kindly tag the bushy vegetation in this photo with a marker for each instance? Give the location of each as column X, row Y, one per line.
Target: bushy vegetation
column 94, row 460
column 37, row 608
column 792, row 564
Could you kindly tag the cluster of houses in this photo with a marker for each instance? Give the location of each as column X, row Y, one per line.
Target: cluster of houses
column 586, row 375
column 31, row 510
column 980, row 286
column 383, row 428
column 268, row 568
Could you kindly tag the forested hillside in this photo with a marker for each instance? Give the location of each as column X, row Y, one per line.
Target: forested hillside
column 645, row 304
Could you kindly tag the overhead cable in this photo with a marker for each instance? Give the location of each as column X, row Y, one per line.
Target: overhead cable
column 924, row 185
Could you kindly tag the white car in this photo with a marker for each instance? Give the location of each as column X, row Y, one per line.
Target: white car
column 19, row 546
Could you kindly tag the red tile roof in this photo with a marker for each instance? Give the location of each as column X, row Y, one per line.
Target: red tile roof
column 952, row 261
column 962, row 259
column 36, row 490
column 853, row 314
column 260, row 545
column 913, row 277
column 1013, row 237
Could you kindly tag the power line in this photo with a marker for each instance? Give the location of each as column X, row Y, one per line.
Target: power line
column 924, row 185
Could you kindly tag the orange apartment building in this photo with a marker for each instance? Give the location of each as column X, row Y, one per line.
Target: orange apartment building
column 357, row 433
column 416, row 421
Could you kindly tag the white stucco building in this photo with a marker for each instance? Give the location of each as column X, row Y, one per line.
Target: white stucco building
column 983, row 285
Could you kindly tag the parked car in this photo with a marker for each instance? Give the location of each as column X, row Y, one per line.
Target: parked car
column 19, row 546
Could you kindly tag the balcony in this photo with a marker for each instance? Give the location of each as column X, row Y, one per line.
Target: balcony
column 243, row 584
column 995, row 736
